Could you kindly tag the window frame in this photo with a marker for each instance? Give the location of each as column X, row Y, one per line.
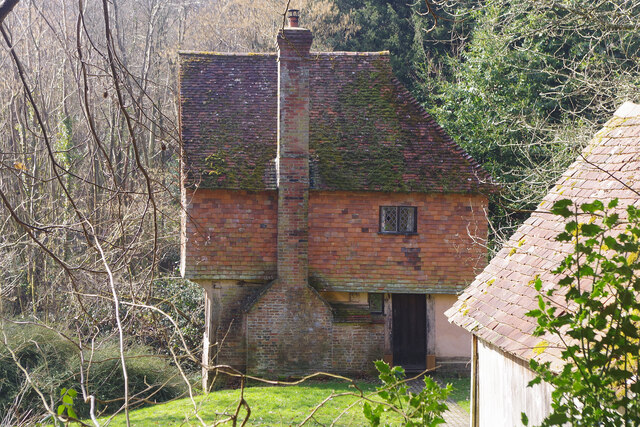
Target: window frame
column 372, row 295
column 415, row 220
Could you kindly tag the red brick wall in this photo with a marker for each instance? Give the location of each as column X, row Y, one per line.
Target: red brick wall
column 356, row 346
column 293, row 156
column 289, row 332
column 230, row 235
column 347, row 253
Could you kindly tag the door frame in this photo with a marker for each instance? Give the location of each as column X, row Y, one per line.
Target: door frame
column 430, row 320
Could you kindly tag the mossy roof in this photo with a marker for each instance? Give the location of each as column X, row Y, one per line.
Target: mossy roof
column 367, row 133
column 494, row 306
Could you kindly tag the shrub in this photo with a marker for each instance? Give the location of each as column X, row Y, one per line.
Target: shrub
column 151, row 377
column 45, row 355
column 184, row 302
column 54, row 363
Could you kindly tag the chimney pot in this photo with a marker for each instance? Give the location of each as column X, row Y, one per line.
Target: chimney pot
column 293, row 17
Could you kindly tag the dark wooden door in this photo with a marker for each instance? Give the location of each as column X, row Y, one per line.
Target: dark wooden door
column 409, row 331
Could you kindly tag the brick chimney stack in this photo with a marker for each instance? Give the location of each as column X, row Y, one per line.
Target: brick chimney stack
column 289, row 327
column 293, row 153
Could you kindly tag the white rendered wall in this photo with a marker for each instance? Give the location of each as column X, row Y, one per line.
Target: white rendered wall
column 502, row 390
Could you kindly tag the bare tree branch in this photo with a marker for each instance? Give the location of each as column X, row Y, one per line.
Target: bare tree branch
column 6, row 7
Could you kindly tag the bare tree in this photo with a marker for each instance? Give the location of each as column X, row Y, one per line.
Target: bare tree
column 6, row 7
column 88, row 185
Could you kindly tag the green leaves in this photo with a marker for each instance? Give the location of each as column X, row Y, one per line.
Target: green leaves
column 373, row 415
column 537, row 283
column 382, row 367
column 592, row 207
column 611, row 220
column 598, row 319
column 418, row 409
column 561, row 207
column 67, row 403
column 557, row 419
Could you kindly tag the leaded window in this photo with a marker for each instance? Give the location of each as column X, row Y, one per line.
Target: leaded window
column 398, row 219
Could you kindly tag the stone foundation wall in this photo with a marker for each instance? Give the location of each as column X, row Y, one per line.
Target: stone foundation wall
column 255, row 324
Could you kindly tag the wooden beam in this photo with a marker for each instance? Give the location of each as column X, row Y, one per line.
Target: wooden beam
column 431, row 332
column 388, row 328
column 475, row 409
column 210, row 341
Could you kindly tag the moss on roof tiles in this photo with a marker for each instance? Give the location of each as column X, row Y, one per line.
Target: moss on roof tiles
column 344, row 160
column 366, row 132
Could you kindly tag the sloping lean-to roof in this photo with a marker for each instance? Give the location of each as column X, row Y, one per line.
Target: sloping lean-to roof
column 366, row 131
column 493, row 307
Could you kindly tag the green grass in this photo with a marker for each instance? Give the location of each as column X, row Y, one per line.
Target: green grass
column 273, row 406
column 461, row 393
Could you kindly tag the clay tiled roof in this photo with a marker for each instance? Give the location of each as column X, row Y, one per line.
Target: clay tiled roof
column 366, row 131
column 493, row 307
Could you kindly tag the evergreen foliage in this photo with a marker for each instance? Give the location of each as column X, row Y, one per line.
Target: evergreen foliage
column 531, row 85
column 416, row 42
column 54, row 364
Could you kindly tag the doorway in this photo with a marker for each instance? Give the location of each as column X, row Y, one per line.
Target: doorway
column 409, row 331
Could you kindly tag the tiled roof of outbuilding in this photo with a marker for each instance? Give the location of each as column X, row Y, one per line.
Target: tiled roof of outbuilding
column 493, row 307
column 366, row 131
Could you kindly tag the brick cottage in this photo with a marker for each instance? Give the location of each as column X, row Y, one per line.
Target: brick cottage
column 329, row 219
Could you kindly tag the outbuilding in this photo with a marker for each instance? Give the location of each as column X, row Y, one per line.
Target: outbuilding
column 494, row 307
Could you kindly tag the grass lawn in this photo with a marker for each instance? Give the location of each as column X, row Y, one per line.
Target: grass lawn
column 274, row 406
column 461, row 393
